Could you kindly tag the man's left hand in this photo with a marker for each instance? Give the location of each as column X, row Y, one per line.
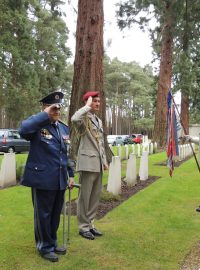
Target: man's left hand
column 105, row 166
column 71, row 182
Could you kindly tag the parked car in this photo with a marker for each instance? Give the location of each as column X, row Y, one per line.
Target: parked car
column 115, row 139
column 136, row 138
column 11, row 141
column 127, row 139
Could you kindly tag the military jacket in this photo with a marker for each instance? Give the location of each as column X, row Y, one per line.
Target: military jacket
column 47, row 166
column 91, row 153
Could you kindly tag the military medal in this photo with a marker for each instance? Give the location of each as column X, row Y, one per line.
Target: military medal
column 45, row 133
column 66, row 139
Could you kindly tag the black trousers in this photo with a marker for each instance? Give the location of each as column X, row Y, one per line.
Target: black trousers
column 47, row 209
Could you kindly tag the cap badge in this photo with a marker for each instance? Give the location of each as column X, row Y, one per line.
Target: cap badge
column 56, row 96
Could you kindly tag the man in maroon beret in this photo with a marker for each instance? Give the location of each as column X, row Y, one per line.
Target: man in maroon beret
column 91, row 161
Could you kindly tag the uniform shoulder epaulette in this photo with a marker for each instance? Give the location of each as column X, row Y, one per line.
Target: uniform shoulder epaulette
column 63, row 123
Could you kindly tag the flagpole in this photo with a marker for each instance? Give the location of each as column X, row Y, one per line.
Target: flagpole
column 186, row 134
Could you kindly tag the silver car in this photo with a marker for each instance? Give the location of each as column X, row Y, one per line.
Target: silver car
column 115, row 139
column 11, row 141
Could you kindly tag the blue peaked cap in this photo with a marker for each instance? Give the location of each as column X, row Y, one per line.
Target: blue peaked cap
column 53, row 98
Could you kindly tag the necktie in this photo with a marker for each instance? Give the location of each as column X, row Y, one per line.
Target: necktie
column 56, row 128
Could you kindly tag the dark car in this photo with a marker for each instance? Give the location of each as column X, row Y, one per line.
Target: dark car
column 11, row 141
column 127, row 139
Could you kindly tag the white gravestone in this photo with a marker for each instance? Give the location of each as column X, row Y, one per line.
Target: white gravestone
column 8, row 171
column 146, row 139
column 114, row 176
column 138, row 150
column 180, row 152
column 131, row 173
column 126, row 151
column 119, row 151
column 143, row 172
column 155, row 147
column 151, row 148
column 199, row 149
column 133, row 148
column 145, row 147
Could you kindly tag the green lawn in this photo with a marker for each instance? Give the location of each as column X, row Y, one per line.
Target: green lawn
column 154, row 229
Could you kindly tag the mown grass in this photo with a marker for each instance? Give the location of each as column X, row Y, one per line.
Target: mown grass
column 154, row 229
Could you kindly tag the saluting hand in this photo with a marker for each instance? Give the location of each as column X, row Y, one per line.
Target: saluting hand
column 53, row 112
column 89, row 101
column 50, row 109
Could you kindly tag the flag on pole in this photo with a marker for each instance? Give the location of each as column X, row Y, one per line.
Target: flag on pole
column 172, row 135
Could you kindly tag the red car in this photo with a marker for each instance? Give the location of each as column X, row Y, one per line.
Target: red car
column 137, row 138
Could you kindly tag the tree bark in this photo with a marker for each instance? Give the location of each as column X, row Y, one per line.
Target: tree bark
column 164, row 82
column 88, row 64
column 185, row 89
column 185, row 112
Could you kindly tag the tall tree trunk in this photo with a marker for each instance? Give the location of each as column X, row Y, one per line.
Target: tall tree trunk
column 185, row 89
column 185, row 112
column 114, row 119
column 164, row 82
column 88, row 64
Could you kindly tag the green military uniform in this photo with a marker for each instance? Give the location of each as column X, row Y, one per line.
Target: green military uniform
column 90, row 163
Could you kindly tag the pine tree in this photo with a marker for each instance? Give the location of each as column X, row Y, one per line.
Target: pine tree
column 33, row 56
column 167, row 14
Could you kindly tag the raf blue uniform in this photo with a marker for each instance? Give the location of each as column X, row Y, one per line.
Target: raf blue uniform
column 46, row 172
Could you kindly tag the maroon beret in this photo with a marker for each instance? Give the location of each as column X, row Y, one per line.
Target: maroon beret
column 90, row 94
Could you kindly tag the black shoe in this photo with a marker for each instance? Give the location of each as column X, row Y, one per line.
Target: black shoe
column 60, row 250
column 198, row 209
column 51, row 256
column 88, row 235
column 95, row 232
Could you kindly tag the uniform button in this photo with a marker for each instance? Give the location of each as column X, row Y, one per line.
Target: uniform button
column 35, row 168
column 60, row 152
column 61, row 159
column 60, row 167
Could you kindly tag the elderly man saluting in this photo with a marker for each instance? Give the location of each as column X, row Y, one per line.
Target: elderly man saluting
column 47, row 172
column 91, row 162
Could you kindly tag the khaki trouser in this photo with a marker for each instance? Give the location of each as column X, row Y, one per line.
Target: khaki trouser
column 88, row 199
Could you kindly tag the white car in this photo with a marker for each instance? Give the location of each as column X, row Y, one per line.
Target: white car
column 115, row 139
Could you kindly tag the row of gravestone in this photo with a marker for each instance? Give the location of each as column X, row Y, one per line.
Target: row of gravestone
column 8, row 166
column 185, row 150
column 8, row 170
column 137, row 149
column 114, row 177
